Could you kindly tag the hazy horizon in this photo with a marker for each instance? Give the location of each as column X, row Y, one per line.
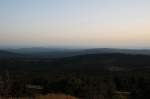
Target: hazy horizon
column 70, row 47
column 75, row 23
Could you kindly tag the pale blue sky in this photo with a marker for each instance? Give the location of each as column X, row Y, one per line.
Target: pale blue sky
column 87, row 23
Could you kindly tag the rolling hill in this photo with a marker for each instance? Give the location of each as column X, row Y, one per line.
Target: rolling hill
column 8, row 54
column 62, row 52
column 88, row 62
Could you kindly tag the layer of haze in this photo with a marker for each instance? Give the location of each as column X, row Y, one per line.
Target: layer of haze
column 82, row 23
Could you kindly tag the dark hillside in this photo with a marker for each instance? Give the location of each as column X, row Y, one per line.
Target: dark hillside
column 90, row 62
column 7, row 54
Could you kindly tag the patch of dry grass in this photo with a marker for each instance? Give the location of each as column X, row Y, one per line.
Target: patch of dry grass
column 49, row 96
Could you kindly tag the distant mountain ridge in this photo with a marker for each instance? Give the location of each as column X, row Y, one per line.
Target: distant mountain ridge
column 62, row 52
column 8, row 54
column 113, row 50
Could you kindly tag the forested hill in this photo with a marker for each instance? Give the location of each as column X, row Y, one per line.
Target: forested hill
column 8, row 54
column 61, row 52
column 90, row 62
column 112, row 61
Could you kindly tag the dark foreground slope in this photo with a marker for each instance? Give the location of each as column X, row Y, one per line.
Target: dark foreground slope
column 91, row 76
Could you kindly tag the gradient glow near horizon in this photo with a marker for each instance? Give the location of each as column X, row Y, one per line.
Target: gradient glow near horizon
column 85, row 23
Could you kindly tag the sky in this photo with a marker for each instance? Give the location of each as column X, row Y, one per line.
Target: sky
column 75, row 23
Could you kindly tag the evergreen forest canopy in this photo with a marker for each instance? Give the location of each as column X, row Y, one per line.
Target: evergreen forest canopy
column 86, row 76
